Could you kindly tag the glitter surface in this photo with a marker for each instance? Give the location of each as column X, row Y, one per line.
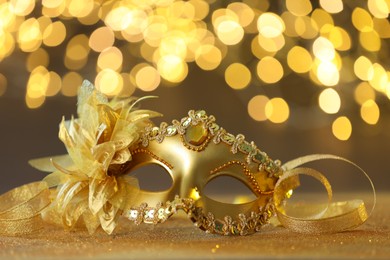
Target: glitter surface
column 178, row 238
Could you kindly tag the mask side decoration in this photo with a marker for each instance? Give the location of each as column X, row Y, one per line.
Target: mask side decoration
column 194, row 151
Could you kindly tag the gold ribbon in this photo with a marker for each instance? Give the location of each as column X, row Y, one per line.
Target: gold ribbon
column 336, row 217
column 20, row 209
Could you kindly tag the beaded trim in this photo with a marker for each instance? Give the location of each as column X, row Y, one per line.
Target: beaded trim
column 239, row 225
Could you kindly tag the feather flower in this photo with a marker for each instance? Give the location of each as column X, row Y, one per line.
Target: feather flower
column 90, row 180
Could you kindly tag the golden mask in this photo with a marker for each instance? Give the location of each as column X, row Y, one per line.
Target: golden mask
column 194, row 151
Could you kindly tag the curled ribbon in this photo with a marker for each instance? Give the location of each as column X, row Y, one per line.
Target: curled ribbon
column 20, row 209
column 336, row 217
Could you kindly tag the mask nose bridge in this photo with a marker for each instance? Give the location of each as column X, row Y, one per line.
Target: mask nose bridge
column 207, row 164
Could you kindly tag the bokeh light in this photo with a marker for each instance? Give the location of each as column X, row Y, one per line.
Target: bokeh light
column 70, row 83
column 230, row 32
column 29, row 35
column 256, row 107
column 370, row 112
column 237, row 76
column 299, row 8
column 329, row 101
column 270, row 25
column 332, row 6
column 323, row 49
column 101, row 39
column 342, row 128
column 339, row 48
column 277, row 110
column 109, row 82
column 328, row 73
column 172, row 68
column 363, row 68
column 364, row 92
column 147, row 78
column 54, row 34
column 110, row 58
column 299, row 59
column 208, row 57
column 269, row 70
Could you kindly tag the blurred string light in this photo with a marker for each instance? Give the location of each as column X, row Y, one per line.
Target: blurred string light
column 144, row 44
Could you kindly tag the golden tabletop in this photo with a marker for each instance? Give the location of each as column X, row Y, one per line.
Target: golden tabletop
column 178, row 238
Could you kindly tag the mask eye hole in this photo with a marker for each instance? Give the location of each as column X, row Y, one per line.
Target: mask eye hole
column 153, row 177
column 227, row 189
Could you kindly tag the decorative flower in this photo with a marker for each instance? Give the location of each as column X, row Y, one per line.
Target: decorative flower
column 90, row 180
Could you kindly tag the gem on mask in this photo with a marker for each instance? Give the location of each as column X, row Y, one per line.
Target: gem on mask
column 152, row 215
column 245, row 147
column 260, row 157
column 133, row 214
column 196, row 135
column 154, row 132
column 149, row 215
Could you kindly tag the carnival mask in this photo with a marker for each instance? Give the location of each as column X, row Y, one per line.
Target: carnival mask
column 194, row 151
column 93, row 183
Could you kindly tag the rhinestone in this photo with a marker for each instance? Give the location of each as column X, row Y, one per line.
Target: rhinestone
column 196, row 135
column 149, row 215
column 260, row 157
column 186, row 122
column 228, row 138
column 133, row 214
column 245, row 147
column 171, row 130
column 154, row 131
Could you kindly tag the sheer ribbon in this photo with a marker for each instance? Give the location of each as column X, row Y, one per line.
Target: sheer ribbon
column 20, row 209
column 336, row 216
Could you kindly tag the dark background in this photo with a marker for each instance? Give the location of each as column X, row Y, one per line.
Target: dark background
column 32, row 133
column 27, row 134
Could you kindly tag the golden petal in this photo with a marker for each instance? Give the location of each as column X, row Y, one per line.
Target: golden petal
column 45, row 164
column 108, row 217
column 128, row 189
column 100, row 191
